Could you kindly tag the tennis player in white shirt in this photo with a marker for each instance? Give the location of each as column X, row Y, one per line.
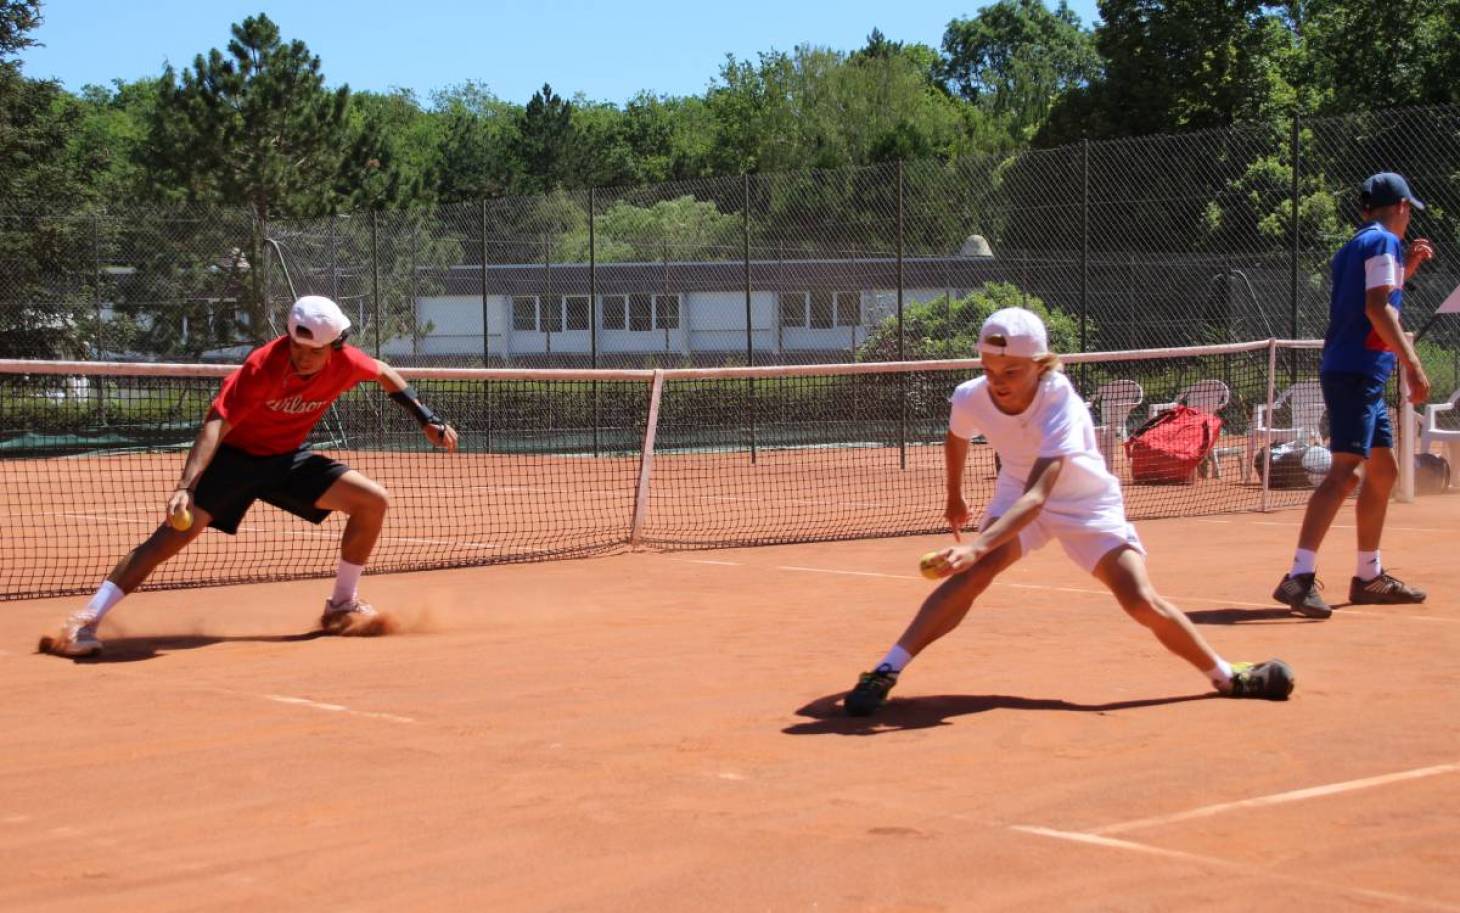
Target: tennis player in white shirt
column 1052, row 484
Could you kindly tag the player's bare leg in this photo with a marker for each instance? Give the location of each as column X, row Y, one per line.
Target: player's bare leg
column 1124, row 571
column 943, row 610
column 77, row 637
column 946, row 606
column 366, row 503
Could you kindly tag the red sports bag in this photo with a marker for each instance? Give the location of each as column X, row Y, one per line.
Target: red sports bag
column 1168, row 448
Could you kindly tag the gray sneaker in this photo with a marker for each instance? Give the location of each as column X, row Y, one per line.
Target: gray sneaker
column 1299, row 592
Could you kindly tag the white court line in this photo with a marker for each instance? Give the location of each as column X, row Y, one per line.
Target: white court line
column 1402, row 529
column 1296, row 795
column 333, row 708
column 707, row 561
column 1248, row 870
column 306, row 533
column 1106, row 593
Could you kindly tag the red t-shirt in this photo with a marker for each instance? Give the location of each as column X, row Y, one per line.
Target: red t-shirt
column 272, row 409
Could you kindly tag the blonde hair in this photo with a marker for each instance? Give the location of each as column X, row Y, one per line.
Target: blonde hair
column 1048, row 363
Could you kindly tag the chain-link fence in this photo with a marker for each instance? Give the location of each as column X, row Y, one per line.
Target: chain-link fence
column 1140, row 243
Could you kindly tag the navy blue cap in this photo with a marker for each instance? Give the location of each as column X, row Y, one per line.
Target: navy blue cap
column 1387, row 188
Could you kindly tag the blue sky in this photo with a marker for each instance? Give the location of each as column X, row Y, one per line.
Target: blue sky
column 607, row 51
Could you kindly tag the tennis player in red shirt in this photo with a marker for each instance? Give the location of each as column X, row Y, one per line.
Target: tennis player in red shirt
column 251, row 447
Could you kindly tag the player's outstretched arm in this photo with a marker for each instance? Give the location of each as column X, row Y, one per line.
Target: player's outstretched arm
column 404, row 395
column 214, row 429
column 1042, row 477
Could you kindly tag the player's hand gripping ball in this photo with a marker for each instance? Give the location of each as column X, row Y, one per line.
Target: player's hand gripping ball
column 932, row 566
column 181, row 520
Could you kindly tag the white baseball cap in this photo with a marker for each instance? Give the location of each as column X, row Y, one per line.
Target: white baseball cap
column 316, row 321
column 1013, row 331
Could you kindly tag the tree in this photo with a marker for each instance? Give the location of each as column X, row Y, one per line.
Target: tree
column 45, row 290
column 1016, row 58
column 1179, row 65
column 1366, row 56
column 941, row 328
column 546, row 140
column 257, row 128
column 475, row 155
column 17, row 18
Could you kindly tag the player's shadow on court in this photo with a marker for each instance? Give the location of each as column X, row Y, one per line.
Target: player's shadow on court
column 1236, row 616
column 926, row 711
column 136, row 649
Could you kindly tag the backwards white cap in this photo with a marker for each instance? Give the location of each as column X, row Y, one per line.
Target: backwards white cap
column 316, row 321
column 1013, row 331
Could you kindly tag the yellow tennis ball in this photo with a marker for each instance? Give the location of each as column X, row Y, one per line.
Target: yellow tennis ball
column 181, row 520
column 931, row 566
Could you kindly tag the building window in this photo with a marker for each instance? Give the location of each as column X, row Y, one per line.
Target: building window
column 641, row 314
column 666, row 312
column 821, row 310
column 578, row 314
column 524, row 313
column 793, row 309
column 822, row 306
column 615, row 309
column 550, row 313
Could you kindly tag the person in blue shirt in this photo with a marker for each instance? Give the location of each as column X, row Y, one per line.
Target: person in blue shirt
column 1363, row 343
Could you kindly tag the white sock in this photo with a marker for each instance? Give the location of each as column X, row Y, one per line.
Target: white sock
column 1369, row 565
column 347, row 581
column 1220, row 674
column 1305, row 561
column 896, row 660
column 107, row 596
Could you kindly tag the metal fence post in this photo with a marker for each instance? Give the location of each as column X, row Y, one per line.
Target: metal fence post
column 1084, row 248
column 486, row 324
column 375, row 277
column 901, row 351
column 749, row 336
column 1293, row 258
column 593, row 305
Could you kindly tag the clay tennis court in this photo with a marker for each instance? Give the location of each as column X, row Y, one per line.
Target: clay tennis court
column 660, row 731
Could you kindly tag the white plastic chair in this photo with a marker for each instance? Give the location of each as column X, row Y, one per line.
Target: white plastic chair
column 1111, row 406
column 1305, row 407
column 1430, row 432
column 1209, row 396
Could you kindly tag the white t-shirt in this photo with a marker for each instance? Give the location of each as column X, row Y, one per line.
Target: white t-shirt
column 1057, row 423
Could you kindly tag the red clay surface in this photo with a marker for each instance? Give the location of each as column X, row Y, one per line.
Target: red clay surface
column 660, row 732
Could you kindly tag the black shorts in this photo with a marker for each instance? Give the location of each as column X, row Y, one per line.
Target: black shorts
column 289, row 481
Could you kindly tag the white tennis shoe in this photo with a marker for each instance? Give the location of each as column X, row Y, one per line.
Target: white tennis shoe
column 78, row 638
column 351, row 618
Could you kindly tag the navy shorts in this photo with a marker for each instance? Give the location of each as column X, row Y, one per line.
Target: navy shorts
column 289, row 481
column 1358, row 417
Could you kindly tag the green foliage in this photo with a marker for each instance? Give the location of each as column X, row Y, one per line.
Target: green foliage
column 17, row 17
column 669, row 229
column 1016, row 58
column 941, row 328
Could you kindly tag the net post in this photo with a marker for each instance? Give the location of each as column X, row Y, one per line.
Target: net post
column 646, row 458
column 1408, row 423
column 1272, row 347
column 1294, row 204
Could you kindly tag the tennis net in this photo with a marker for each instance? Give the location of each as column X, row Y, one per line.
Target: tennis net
column 569, row 463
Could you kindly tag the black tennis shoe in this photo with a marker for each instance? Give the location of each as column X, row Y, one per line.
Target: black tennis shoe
column 1383, row 590
column 870, row 691
column 1299, row 592
column 1272, row 680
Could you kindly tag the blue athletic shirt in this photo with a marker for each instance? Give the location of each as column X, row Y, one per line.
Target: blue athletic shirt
column 1372, row 258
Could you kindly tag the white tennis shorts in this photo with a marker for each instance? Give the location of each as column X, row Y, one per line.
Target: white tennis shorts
column 1087, row 531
